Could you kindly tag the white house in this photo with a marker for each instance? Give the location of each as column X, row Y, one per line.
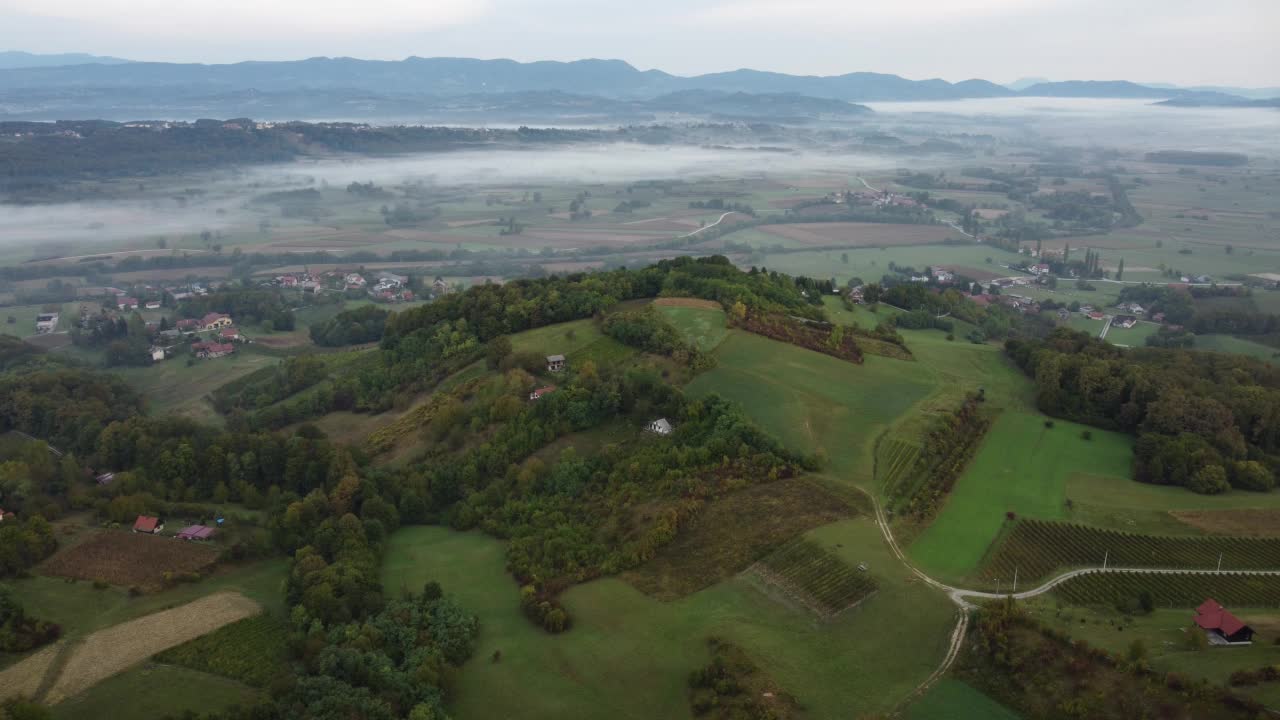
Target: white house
column 555, row 363
column 660, row 426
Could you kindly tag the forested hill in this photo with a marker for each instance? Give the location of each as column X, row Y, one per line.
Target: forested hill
column 31, row 153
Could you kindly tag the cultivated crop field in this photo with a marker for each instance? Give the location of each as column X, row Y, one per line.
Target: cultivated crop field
column 128, row 559
column 1038, row 548
column 701, row 321
column 250, row 650
column 1186, row 591
column 817, row 579
column 894, row 459
column 854, row 234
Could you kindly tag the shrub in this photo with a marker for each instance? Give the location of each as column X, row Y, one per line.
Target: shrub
column 100, row 584
column 1087, row 435
column 1048, row 423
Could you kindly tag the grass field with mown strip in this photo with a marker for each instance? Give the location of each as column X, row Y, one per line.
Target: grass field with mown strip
column 577, row 340
column 173, row 387
column 813, row 402
column 952, row 699
column 1126, row 504
column 629, row 656
column 1022, row 467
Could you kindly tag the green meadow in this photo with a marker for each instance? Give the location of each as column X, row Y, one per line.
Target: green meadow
column 704, row 327
column 628, row 655
column 1022, row 468
column 813, row 402
column 952, row 699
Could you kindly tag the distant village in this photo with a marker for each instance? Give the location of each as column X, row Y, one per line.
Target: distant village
column 214, row 335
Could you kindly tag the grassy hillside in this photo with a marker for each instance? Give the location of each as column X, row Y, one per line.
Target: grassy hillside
column 628, row 655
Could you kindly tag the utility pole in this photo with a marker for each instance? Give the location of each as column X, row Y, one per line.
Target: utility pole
column 1105, row 555
column 1219, row 562
column 1015, row 579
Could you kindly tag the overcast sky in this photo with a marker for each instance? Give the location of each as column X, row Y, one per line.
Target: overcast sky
column 1181, row 41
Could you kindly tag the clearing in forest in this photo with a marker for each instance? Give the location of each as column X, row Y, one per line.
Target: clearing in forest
column 701, row 324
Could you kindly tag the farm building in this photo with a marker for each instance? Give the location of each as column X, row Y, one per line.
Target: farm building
column 188, row 325
column 195, row 532
column 157, row 354
column 1221, row 626
column 127, row 303
column 536, row 394
column 5, row 515
column 229, row 333
column 105, row 478
column 660, row 426
column 1125, row 321
column 153, row 305
column 555, row 363
column 148, row 524
column 215, row 321
column 46, row 323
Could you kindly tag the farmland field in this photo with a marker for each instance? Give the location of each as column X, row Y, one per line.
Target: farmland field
column 114, row 649
column 1185, row 591
column 156, row 690
column 1022, row 468
column 1037, row 549
column 817, row 579
column 173, row 387
column 628, row 656
column 250, row 650
column 1239, row 346
column 129, row 559
column 855, row 234
column 952, row 699
column 1135, row 336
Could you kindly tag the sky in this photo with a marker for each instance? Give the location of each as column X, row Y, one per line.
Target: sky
column 1187, row 42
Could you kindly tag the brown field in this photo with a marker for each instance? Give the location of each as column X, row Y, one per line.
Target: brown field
column 127, row 559
column 731, row 533
column 119, row 647
column 791, row 202
column 25, row 677
column 1248, row 522
column 852, row 234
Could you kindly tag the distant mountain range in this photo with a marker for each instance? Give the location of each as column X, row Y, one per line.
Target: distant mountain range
column 17, row 59
column 77, row 86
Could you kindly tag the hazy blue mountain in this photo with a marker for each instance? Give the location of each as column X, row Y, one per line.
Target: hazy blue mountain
column 450, row 77
column 18, row 59
column 1023, row 83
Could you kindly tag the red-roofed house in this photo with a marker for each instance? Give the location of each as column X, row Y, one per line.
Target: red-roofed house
column 127, row 303
column 213, row 350
column 148, row 524
column 215, row 321
column 230, row 333
column 536, row 394
column 187, row 325
column 1219, row 623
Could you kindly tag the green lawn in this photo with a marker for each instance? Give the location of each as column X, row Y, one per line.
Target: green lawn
column 704, row 327
column 155, row 690
column 628, row 655
column 952, row 699
column 1022, row 467
column 1135, row 336
column 1239, row 346
column 815, row 403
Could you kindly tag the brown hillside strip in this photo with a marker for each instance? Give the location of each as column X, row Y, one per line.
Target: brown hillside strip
column 119, row 647
column 1246, row 522
column 24, row 678
column 734, row 531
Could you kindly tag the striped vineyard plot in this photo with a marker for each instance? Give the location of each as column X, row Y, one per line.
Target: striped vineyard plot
column 1036, row 548
column 814, row 577
column 896, row 459
column 1173, row 591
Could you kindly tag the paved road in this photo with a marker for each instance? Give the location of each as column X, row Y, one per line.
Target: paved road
column 704, row 227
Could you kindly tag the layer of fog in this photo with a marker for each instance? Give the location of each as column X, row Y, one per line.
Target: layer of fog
column 225, row 198
column 1138, row 125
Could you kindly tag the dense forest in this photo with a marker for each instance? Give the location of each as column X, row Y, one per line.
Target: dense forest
column 1206, row 421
